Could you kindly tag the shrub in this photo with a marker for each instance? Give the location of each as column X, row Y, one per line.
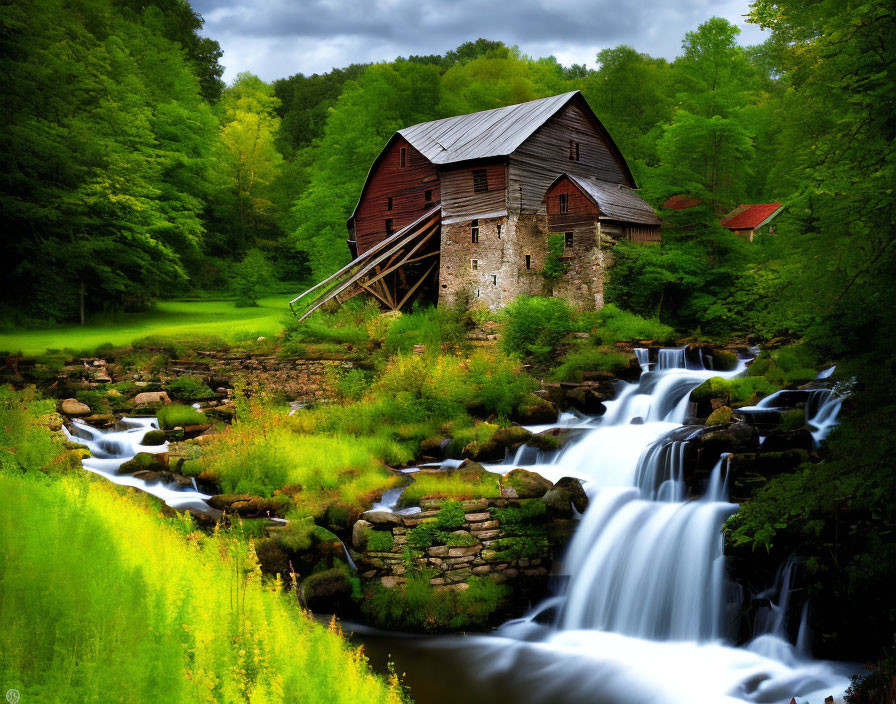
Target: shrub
column 173, row 415
column 617, row 325
column 250, row 278
column 585, row 358
column 451, row 515
column 451, row 485
column 379, row 541
column 352, row 383
column 418, row 606
column 436, row 328
column 501, row 384
column 189, row 388
column 535, row 326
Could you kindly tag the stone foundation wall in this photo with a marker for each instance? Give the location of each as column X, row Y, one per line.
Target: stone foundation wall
column 496, row 550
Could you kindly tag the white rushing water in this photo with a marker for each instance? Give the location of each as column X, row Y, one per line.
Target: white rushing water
column 648, row 604
column 113, row 448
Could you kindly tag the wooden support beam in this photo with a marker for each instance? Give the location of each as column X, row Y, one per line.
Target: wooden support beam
column 416, row 285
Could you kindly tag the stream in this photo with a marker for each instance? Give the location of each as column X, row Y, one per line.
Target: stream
column 643, row 611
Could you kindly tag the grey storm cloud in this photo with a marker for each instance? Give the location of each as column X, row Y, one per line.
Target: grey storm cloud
column 276, row 38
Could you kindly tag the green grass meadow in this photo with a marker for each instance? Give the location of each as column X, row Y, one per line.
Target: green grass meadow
column 175, row 319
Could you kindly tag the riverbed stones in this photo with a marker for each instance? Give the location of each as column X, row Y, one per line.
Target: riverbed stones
column 359, row 534
column 74, row 408
column 382, row 518
column 151, row 398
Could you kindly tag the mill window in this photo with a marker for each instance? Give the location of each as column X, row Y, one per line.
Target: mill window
column 499, row 231
column 480, row 181
column 573, row 150
column 389, row 203
column 427, row 196
column 568, row 239
column 564, row 202
column 528, row 261
column 494, row 279
column 474, row 231
column 476, row 292
column 402, row 157
column 389, row 229
column 474, row 264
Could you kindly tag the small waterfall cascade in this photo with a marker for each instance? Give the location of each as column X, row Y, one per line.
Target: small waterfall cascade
column 642, row 354
column 822, row 406
column 646, row 568
column 113, row 448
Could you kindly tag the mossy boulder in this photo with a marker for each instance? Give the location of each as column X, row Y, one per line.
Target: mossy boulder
column 153, row 437
column 724, row 360
column 535, row 410
column 143, row 460
column 719, row 416
column 327, row 592
column 523, row 484
column 74, row 408
column 577, row 494
column 586, row 399
column 793, row 419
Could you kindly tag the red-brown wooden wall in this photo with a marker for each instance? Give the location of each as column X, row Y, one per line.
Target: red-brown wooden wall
column 407, row 186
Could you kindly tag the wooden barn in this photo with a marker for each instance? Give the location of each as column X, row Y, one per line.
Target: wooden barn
column 461, row 208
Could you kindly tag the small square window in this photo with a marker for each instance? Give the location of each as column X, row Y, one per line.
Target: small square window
column 528, row 261
column 474, row 264
column 480, row 181
column 389, row 203
column 494, row 279
column 427, row 196
column 474, row 231
column 403, row 157
column 564, row 202
column 568, row 240
column 389, row 229
column 573, row 150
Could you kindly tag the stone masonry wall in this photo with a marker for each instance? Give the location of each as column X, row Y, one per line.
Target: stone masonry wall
column 501, row 274
column 501, row 552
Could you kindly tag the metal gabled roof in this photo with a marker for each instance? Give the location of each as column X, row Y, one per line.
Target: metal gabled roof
column 615, row 201
column 480, row 135
column 751, row 217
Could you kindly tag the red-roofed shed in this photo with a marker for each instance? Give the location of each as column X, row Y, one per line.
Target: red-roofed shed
column 746, row 220
column 681, row 202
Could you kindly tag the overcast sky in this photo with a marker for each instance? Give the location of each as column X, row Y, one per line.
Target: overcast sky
column 277, row 38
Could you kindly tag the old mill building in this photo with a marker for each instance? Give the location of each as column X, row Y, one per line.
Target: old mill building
column 463, row 209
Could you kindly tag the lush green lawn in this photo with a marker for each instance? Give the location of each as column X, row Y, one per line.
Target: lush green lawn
column 177, row 319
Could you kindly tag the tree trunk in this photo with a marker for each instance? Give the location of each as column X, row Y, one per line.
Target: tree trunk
column 81, row 294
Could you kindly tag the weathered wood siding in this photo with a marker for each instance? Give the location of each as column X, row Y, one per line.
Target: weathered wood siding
column 406, row 186
column 545, row 155
column 459, row 201
column 642, row 233
column 580, row 218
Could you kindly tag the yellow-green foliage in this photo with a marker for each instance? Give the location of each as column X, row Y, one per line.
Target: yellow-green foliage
column 588, row 358
column 100, row 600
column 735, row 390
column 173, row 415
column 451, row 485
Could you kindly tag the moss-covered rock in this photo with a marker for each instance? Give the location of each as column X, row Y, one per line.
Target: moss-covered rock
column 535, row 410
column 143, row 460
column 719, row 416
column 577, row 495
column 153, row 437
column 793, row 419
column 724, row 360
column 328, row 591
column 524, row 484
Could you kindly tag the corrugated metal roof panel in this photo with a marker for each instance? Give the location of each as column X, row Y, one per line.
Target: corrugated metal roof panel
column 748, row 217
column 617, row 202
column 482, row 134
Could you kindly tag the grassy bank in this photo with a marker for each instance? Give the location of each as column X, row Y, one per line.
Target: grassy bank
column 173, row 319
column 103, row 600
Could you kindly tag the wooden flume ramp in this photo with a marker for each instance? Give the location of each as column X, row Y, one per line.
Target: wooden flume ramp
column 392, row 271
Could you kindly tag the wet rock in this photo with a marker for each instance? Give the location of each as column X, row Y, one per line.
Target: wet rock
column 577, row 495
column 151, row 398
column 359, row 534
column 779, row 441
column 327, row 592
column 154, row 437
column 724, row 360
column 558, row 502
column 524, row 484
column 586, row 399
column 382, row 518
column 143, row 461
column 73, row 407
column 535, row 411
column 720, row 415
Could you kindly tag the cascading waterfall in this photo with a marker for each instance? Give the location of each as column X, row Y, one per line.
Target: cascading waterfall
column 646, row 566
column 111, row 449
